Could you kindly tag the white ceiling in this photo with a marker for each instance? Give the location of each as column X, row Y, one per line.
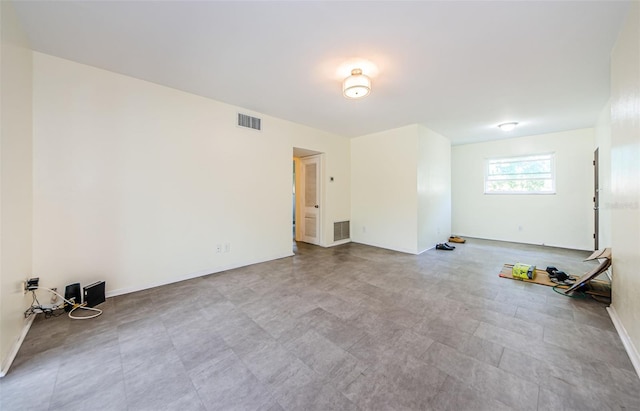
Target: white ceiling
column 459, row 68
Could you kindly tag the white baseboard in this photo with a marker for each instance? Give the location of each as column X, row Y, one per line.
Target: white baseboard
column 16, row 346
column 133, row 289
column 386, row 247
column 427, row 249
column 632, row 352
column 544, row 244
column 348, row 240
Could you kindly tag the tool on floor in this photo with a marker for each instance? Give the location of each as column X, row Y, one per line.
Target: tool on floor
column 560, row 277
column 524, row 271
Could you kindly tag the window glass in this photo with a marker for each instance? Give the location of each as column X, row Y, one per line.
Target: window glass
column 520, row 175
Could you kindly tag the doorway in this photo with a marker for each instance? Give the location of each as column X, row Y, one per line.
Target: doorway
column 307, row 212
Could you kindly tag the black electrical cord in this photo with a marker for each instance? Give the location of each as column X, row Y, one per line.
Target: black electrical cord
column 35, row 299
column 57, row 311
column 578, row 295
column 75, row 306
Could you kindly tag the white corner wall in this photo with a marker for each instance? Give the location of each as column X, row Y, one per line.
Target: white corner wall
column 401, row 191
column 562, row 220
column 136, row 183
column 434, row 188
column 625, row 182
column 15, row 182
column 384, row 198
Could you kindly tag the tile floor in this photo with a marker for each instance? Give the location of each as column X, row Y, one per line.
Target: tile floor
column 347, row 328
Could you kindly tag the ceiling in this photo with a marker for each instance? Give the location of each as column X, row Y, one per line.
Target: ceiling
column 458, row 68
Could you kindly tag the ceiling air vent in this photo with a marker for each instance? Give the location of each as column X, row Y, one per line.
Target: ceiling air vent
column 249, row 122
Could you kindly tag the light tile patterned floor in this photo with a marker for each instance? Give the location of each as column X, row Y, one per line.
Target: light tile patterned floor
column 346, row 328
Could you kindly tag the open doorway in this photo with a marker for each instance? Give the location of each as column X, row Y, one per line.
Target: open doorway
column 306, row 196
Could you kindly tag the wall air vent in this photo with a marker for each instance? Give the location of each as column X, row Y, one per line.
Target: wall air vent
column 249, row 122
column 341, row 230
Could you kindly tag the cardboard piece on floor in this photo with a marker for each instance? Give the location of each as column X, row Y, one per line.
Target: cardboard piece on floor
column 604, row 255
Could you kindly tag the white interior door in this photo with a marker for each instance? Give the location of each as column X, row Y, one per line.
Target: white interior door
column 310, row 199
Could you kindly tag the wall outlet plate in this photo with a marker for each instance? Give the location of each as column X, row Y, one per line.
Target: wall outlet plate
column 32, row 283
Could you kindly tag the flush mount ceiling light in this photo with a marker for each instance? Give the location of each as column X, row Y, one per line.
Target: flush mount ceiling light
column 507, row 126
column 357, row 85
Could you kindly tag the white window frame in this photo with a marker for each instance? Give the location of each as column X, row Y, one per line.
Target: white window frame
column 489, row 161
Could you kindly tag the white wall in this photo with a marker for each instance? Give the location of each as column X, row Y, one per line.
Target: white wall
column 434, row 188
column 137, row 183
column 603, row 143
column 625, row 180
column 384, row 199
column 563, row 220
column 15, row 181
column 401, row 195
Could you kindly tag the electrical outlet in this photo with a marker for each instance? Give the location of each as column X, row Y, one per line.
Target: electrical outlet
column 218, row 248
column 33, row 283
column 30, row 284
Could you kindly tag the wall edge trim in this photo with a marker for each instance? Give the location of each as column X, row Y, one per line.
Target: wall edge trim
column 631, row 350
column 16, row 346
column 340, row 242
column 190, row 276
column 386, row 247
column 522, row 242
column 427, row 249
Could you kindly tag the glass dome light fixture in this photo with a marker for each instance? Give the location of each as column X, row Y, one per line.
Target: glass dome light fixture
column 507, row 126
column 357, row 85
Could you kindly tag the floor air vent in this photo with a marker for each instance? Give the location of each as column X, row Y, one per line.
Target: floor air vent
column 341, row 230
column 249, row 122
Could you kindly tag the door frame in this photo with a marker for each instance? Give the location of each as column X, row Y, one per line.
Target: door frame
column 596, row 198
column 299, row 155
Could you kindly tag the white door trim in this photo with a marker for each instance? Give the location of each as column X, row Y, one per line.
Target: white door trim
column 314, row 210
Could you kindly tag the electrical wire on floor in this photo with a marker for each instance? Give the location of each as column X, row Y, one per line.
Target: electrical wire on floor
column 51, row 311
column 36, row 308
column 575, row 294
column 583, row 295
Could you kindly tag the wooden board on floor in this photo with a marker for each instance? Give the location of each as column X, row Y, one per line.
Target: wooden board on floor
column 541, row 277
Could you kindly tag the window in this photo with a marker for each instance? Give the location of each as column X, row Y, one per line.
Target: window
column 521, row 175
